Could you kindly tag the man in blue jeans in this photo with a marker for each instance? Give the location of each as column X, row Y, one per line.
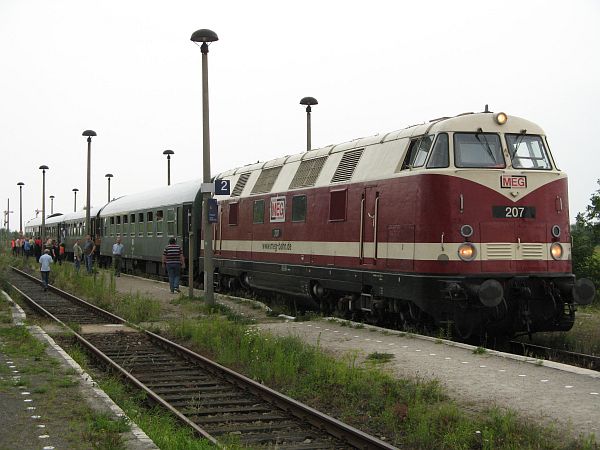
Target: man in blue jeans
column 45, row 261
column 173, row 262
column 88, row 253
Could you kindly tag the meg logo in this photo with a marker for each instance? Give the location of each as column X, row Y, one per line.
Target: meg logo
column 513, row 181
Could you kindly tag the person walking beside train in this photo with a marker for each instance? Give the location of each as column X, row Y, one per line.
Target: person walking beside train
column 77, row 254
column 173, row 262
column 117, row 251
column 45, row 261
column 88, row 252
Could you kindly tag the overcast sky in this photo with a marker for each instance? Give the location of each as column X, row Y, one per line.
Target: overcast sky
column 128, row 70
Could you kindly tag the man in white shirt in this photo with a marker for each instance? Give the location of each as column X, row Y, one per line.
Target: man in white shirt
column 45, row 261
column 117, row 250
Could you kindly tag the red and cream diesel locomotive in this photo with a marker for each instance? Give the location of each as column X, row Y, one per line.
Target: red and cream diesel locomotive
column 463, row 220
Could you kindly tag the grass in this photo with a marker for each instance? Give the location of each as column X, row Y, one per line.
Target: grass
column 413, row 414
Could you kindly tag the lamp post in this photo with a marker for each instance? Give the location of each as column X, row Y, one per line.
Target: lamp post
column 51, row 204
column 43, row 169
column 89, row 134
column 75, row 191
column 168, row 153
column 308, row 101
column 109, row 176
column 205, row 37
column 20, row 184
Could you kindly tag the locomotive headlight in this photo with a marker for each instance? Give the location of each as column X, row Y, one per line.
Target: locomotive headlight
column 466, row 251
column 501, row 118
column 556, row 250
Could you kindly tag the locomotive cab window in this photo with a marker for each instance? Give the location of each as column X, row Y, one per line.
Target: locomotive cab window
column 299, row 208
column 478, row 150
column 258, row 212
column 439, row 155
column 527, row 152
column 418, row 150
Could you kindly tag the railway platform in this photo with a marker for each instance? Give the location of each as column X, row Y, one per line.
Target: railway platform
column 550, row 393
column 33, row 418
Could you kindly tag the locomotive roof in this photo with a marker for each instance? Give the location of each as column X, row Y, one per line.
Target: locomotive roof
column 377, row 166
column 179, row 193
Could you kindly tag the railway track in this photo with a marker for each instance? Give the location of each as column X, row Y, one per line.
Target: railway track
column 218, row 403
column 555, row 354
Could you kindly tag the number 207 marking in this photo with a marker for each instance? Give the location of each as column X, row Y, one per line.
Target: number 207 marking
column 514, row 211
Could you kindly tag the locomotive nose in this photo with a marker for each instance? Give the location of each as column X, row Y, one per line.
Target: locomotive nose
column 584, row 291
column 491, row 293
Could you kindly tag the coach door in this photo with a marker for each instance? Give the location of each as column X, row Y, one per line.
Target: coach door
column 368, row 226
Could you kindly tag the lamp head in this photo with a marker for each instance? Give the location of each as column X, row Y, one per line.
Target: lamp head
column 309, row 101
column 20, row 183
column 89, row 133
column 44, row 167
column 168, row 153
column 75, row 190
column 109, row 175
column 204, row 35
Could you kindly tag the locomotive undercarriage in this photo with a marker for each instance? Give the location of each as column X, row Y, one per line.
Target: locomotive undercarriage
column 466, row 307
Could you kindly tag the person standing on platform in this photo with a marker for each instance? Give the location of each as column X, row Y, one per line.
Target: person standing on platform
column 117, row 251
column 88, row 253
column 173, row 262
column 77, row 254
column 45, row 261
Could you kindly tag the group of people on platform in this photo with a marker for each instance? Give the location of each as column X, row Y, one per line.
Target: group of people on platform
column 172, row 259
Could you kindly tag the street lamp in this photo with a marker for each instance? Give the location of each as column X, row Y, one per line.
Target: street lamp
column 89, row 134
column 308, row 101
column 168, row 153
column 205, row 37
column 51, row 204
column 43, row 169
column 20, row 184
column 75, row 191
column 109, row 176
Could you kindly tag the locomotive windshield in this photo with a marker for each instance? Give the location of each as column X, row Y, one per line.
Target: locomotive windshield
column 478, row 150
column 527, row 152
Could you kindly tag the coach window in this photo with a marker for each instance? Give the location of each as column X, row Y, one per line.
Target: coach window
column 149, row 223
column 171, row 222
column 140, row 226
column 258, row 214
column 337, row 205
column 112, row 226
column 125, row 225
column 132, row 225
column 299, row 208
column 159, row 222
column 439, row 155
column 481, row 150
column 234, row 209
column 118, row 231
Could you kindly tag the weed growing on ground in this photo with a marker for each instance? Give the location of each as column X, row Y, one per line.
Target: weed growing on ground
column 380, row 358
column 479, row 351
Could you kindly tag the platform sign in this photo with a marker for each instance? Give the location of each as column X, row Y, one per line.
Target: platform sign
column 222, row 187
column 277, row 209
column 213, row 211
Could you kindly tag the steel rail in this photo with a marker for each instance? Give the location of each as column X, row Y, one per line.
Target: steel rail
column 588, row 361
column 304, row 413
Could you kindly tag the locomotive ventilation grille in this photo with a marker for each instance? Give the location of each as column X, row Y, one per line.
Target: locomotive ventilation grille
column 499, row 251
column 307, row 172
column 532, row 251
column 266, row 180
column 345, row 169
column 241, row 183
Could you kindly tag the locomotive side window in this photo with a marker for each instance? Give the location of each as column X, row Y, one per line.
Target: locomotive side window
column 234, row 210
column 299, row 208
column 337, row 205
column 527, row 152
column 439, row 155
column 481, row 150
column 258, row 213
